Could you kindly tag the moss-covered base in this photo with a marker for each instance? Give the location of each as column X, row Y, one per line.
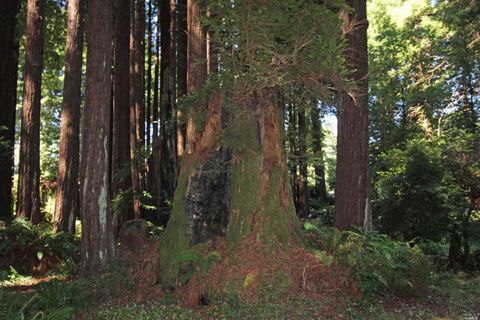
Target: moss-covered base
column 240, row 151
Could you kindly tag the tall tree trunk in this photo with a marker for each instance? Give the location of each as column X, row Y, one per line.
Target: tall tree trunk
column 121, row 110
column 351, row 193
column 8, row 97
column 168, row 150
column 196, row 72
column 156, row 76
column 66, row 200
column 136, row 100
column 148, row 119
column 97, row 236
column 303, row 191
column 293, row 152
column 182, row 41
column 164, row 151
column 234, row 185
column 29, row 171
column 320, row 189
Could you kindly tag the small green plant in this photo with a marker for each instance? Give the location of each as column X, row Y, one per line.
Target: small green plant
column 192, row 261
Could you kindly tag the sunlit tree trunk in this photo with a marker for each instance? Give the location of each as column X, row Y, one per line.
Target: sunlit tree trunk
column 351, row 193
column 182, row 41
column 97, row 236
column 28, row 200
column 66, row 200
column 196, row 72
column 8, row 97
column 121, row 110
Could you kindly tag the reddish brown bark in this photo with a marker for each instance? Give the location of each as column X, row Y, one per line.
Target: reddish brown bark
column 8, row 97
column 121, row 109
column 66, row 200
column 196, row 66
column 28, row 205
column 137, row 31
column 97, row 236
column 182, row 41
column 352, row 141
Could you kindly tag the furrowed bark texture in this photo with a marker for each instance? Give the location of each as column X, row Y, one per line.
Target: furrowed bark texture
column 28, row 200
column 121, row 110
column 66, row 200
column 197, row 68
column 182, row 52
column 136, row 100
column 8, row 97
column 234, row 184
column 168, row 159
column 352, row 142
column 97, row 236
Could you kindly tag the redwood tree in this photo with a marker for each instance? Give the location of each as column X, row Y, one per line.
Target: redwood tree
column 66, row 200
column 351, row 192
column 167, row 148
column 182, row 41
column 233, row 181
column 97, row 236
column 8, row 97
column 121, row 109
column 320, row 189
column 303, row 191
column 28, row 200
column 137, row 129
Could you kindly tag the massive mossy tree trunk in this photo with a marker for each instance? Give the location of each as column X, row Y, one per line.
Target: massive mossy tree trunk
column 28, row 200
column 352, row 183
column 235, row 183
column 8, row 97
column 97, row 236
column 66, row 200
column 137, row 31
column 121, row 110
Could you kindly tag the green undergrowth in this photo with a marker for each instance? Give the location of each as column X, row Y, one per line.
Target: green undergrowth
column 59, row 299
column 32, row 249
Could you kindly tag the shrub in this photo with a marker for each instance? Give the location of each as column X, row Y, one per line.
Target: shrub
column 380, row 265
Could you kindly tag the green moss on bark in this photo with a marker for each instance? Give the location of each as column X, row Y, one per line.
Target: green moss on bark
column 176, row 238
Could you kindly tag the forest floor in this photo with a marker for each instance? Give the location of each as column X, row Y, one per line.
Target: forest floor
column 129, row 290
